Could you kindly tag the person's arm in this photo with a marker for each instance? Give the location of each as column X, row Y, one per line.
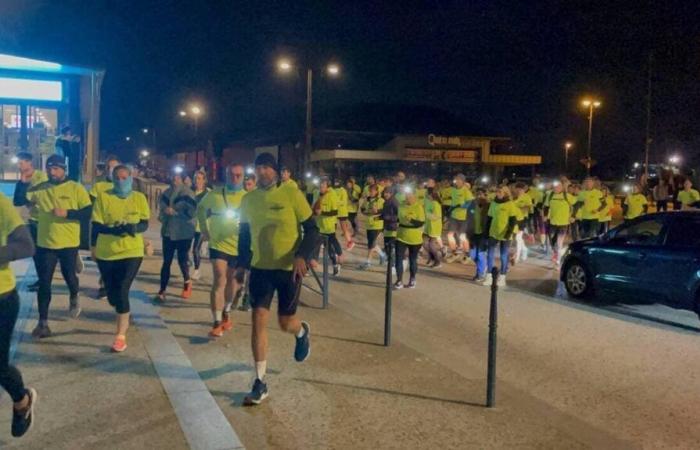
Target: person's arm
column 512, row 222
column 245, row 253
column 79, row 214
column 185, row 207
column 19, row 245
column 20, row 197
column 603, row 204
column 331, row 213
column 309, row 241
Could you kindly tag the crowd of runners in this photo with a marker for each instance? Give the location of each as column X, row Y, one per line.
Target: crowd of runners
column 262, row 231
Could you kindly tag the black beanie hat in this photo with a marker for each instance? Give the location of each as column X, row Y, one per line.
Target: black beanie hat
column 266, row 159
column 56, row 160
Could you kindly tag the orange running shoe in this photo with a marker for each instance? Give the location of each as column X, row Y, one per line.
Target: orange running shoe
column 227, row 323
column 217, row 330
column 187, row 290
column 119, row 344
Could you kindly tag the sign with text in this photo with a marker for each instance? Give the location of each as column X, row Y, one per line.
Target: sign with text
column 434, row 140
column 455, row 156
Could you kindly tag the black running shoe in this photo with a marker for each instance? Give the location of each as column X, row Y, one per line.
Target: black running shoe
column 22, row 421
column 257, row 394
column 41, row 331
column 302, row 350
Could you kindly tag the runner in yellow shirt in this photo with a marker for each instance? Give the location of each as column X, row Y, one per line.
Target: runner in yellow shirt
column 272, row 244
column 343, row 212
column 557, row 209
column 372, row 207
column 199, row 189
column 688, row 197
column 409, row 237
column 502, row 222
column 15, row 243
column 590, row 202
column 525, row 205
column 62, row 205
column 219, row 216
column 326, row 207
column 354, row 195
column 461, row 196
column 606, row 213
column 635, row 204
column 119, row 219
column 433, row 227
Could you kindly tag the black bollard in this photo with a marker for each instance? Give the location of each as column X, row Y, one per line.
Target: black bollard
column 387, row 295
column 325, row 272
column 493, row 325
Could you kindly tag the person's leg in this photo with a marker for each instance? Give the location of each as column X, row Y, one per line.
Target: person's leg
column 68, row 257
column 560, row 241
column 197, row 250
column 46, row 264
column 505, row 249
column 10, row 377
column 261, row 293
column 218, row 287
column 182, row 247
column 233, row 285
column 353, row 221
column 129, row 270
column 168, row 255
column 413, row 260
column 481, row 245
column 434, row 250
column 491, row 254
column 398, row 263
column 519, row 244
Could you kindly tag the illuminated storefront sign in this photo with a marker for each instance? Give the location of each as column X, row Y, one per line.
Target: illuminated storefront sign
column 457, row 156
column 26, row 89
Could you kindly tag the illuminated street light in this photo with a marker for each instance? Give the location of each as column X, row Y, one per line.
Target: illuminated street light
column 14, row 160
column 675, row 159
column 145, row 130
column 590, row 104
column 567, row 147
column 333, row 69
column 196, row 110
column 284, row 65
column 183, row 113
column 144, row 153
column 128, row 138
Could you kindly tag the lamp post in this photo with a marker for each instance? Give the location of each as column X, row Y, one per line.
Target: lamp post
column 567, row 147
column 194, row 111
column 285, row 66
column 591, row 104
column 152, row 132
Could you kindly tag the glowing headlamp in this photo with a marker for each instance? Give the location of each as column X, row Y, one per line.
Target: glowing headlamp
column 249, row 170
column 484, row 179
column 317, row 181
column 407, row 189
column 178, row 170
column 540, row 186
column 626, row 188
column 230, row 214
column 308, row 174
column 14, row 160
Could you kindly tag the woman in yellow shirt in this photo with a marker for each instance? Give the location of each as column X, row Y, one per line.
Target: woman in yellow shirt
column 409, row 237
column 433, row 227
column 119, row 218
column 635, row 204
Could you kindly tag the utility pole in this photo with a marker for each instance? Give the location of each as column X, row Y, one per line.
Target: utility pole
column 309, row 130
column 648, row 131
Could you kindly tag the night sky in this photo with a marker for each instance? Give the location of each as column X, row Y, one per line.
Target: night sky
column 516, row 68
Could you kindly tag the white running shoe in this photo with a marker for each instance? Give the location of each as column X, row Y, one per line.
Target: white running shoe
column 501, row 281
column 196, row 275
column 488, row 280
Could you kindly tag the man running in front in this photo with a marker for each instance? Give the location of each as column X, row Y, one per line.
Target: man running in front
column 271, row 218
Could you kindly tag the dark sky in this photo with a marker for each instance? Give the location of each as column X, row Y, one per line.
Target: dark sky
column 518, row 68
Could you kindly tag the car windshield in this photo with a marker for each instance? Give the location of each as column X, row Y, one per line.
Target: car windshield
column 644, row 232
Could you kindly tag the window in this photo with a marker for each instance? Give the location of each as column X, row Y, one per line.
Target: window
column 684, row 232
column 645, row 232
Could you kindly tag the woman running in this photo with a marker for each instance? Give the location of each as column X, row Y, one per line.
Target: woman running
column 606, row 213
column 557, row 211
column 177, row 214
column 501, row 223
column 200, row 190
column 409, row 237
column 119, row 219
column 433, row 227
column 372, row 207
column 523, row 202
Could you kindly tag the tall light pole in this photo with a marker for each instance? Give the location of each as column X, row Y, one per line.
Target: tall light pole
column 285, row 65
column 194, row 111
column 567, row 147
column 591, row 104
column 152, row 132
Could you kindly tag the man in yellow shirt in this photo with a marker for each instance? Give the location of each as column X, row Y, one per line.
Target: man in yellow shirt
column 688, row 197
column 354, row 195
column 461, row 196
column 277, row 238
column 326, row 208
column 590, row 202
column 62, row 205
column 29, row 178
column 286, row 177
column 219, row 218
column 15, row 243
column 635, row 204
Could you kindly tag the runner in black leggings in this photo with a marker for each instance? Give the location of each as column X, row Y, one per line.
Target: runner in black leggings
column 18, row 244
column 200, row 190
column 119, row 218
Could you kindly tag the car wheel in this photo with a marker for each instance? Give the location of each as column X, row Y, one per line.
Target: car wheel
column 577, row 280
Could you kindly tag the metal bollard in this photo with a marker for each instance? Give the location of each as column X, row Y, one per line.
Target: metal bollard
column 387, row 295
column 493, row 325
column 325, row 272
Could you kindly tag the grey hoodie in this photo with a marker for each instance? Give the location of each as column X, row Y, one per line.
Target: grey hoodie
column 181, row 225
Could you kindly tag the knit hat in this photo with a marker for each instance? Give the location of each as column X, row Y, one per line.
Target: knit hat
column 266, row 159
column 56, row 160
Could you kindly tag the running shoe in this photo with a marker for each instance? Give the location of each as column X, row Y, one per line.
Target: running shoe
column 302, row 348
column 160, row 297
column 217, row 330
column 257, row 394
column 501, row 281
column 41, row 331
column 22, row 420
column 479, row 279
column 336, row 269
column 245, row 303
column 398, row 285
column 196, row 275
column 101, row 293
column 437, row 265
column 74, row 308
column 226, row 323
column 411, row 283
column 187, row 290
column 488, row 280
column 466, row 260
column 382, row 259
column 119, row 344
column 350, row 245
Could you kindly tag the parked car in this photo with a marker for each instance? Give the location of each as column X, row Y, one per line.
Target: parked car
column 654, row 258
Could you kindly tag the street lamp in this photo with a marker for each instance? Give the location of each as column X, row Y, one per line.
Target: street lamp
column 567, row 147
column 127, row 139
column 196, row 112
column 675, row 159
column 144, row 153
column 183, row 113
column 144, row 130
column 590, row 104
column 285, row 65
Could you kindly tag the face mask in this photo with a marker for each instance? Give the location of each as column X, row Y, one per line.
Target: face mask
column 123, row 187
column 231, row 186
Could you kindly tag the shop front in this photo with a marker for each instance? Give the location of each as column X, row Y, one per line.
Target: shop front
column 48, row 107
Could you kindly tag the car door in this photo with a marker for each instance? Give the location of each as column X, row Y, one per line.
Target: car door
column 621, row 262
column 675, row 268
